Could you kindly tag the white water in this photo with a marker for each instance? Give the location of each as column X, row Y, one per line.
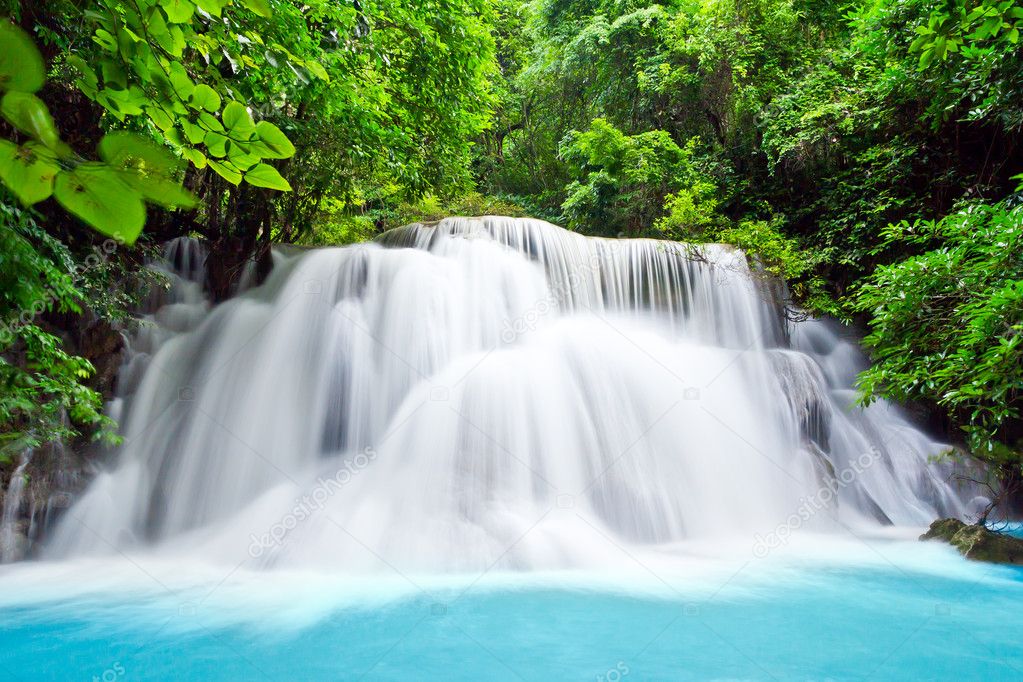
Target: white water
column 10, row 539
column 493, row 393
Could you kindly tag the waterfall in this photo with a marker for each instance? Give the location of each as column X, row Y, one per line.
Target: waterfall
column 10, row 537
column 492, row 392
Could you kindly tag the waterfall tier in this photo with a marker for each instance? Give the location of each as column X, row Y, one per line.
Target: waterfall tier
column 493, row 392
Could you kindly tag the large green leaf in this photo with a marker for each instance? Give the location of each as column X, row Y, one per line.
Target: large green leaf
column 241, row 159
column 130, row 151
column 150, row 168
column 238, row 120
column 265, row 175
column 194, row 133
column 277, row 142
column 28, row 171
column 205, row 97
column 197, row 158
column 125, row 102
column 210, row 122
column 226, row 170
column 28, row 114
column 317, row 70
column 260, row 7
column 160, row 117
column 178, row 11
column 158, row 190
column 180, row 80
column 21, row 65
column 216, row 144
column 214, row 7
column 99, row 195
column 88, row 83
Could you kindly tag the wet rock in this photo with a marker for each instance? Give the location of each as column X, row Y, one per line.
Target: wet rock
column 34, row 496
column 977, row 542
column 101, row 344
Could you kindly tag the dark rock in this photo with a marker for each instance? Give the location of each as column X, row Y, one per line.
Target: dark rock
column 977, row 542
column 101, row 344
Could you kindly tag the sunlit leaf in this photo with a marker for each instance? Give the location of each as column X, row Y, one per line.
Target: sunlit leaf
column 127, row 102
column 99, row 195
column 105, row 40
column 277, row 142
column 21, row 65
column 226, row 170
column 238, row 120
column 317, row 70
column 205, row 97
column 194, row 133
column 214, row 7
column 150, row 168
column 197, row 158
column 265, row 175
column 28, row 171
column 28, row 114
column 210, row 122
column 216, row 144
column 241, row 159
column 183, row 85
column 178, row 11
column 89, row 82
column 162, row 120
column 260, row 7
column 133, row 152
column 161, row 191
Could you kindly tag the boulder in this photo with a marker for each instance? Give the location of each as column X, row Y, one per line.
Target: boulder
column 977, row 542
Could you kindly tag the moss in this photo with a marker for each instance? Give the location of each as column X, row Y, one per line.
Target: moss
column 977, row 542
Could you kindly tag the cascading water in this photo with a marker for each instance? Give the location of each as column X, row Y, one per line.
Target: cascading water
column 429, row 402
column 12, row 499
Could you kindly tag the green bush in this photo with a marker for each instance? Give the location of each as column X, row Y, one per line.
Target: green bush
column 946, row 325
column 621, row 181
column 43, row 395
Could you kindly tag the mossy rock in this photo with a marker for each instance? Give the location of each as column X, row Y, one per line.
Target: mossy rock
column 977, row 542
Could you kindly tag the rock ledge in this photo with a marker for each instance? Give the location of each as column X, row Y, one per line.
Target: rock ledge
column 977, row 542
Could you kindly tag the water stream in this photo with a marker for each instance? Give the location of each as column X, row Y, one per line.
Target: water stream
column 12, row 499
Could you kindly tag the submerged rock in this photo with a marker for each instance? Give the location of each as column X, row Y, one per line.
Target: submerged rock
column 977, row 542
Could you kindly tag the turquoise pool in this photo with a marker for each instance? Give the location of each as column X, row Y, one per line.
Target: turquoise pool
column 891, row 611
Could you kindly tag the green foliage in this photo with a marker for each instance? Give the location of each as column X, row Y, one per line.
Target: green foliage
column 691, row 216
column 21, row 66
column 432, row 208
column 621, row 180
column 43, row 396
column 109, row 195
column 691, row 213
column 475, row 204
column 334, row 228
column 143, row 69
column 947, row 324
column 970, row 51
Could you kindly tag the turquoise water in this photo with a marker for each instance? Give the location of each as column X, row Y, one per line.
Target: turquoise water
column 906, row 613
